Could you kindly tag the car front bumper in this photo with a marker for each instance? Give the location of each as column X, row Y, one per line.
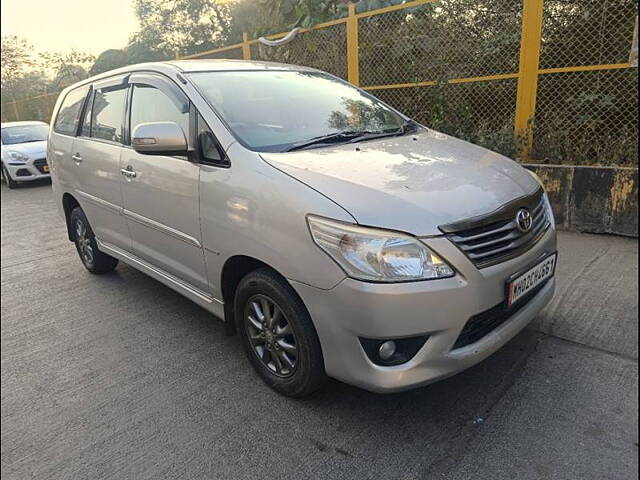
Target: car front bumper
column 26, row 172
column 438, row 309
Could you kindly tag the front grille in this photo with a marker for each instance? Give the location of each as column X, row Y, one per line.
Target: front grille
column 40, row 164
column 485, row 322
column 495, row 238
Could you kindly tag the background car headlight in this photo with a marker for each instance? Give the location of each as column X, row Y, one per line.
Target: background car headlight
column 377, row 255
column 17, row 157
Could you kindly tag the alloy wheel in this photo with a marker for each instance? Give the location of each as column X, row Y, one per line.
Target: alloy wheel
column 84, row 243
column 271, row 336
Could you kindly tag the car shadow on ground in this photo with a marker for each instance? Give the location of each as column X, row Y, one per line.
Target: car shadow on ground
column 44, row 182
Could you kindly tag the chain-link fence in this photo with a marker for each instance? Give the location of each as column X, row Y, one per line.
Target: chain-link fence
column 548, row 82
column 584, row 113
column 321, row 48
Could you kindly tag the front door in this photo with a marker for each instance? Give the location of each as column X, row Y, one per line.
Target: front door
column 161, row 196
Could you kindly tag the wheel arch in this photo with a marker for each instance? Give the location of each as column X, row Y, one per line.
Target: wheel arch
column 234, row 270
column 69, row 202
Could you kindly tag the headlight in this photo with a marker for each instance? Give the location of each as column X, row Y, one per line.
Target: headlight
column 17, row 157
column 377, row 255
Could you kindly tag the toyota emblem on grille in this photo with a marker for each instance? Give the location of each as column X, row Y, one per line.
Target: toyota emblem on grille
column 524, row 220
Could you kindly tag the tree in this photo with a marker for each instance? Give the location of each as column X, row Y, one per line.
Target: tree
column 109, row 60
column 16, row 63
column 67, row 68
column 138, row 52
column 167, row 26
column 271, row 16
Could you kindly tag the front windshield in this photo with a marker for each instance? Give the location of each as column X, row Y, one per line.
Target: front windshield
column 275, row 110
column 24, row 134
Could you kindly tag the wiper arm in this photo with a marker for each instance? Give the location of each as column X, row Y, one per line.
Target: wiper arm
column 331, row 138
column 407, row 127
column 410, row 126
column 352, row 136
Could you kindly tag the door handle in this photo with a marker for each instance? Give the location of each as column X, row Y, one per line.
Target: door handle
column 76, row 158
column 128, row 172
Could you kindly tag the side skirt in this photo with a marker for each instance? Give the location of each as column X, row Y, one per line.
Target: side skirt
column 205, row 300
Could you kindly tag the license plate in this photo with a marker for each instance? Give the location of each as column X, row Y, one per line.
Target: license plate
column 45, row 168
column 525, row 282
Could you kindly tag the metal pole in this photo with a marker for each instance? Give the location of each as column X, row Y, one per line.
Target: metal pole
column 246, row 48
column 353, row 57
column 528, row 75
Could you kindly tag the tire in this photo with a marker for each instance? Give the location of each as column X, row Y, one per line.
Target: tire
column 270, row 344
column 92, row 258
column 11, row 183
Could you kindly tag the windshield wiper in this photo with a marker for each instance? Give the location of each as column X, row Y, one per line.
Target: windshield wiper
column 352, row 136
column 407, row 127
column 327, row 139
column 410, row 126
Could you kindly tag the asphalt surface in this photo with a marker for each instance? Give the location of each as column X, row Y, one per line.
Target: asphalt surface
column 117, row 376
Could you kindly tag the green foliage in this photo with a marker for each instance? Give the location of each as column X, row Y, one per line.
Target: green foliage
column 263, row 17
column 186, row 26
column 67, row 68
column 590, row 121
column 16, row 62
column 109, row 60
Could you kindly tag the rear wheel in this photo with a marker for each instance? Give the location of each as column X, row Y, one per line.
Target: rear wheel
column 93, row 259
column 11, row 183
column 278, row 334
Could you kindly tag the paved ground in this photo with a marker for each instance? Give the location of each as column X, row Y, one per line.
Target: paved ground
column 118, row 376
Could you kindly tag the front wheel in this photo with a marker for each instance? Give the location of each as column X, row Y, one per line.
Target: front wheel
column 278, row 334
column 11, row 183
column 93, row 259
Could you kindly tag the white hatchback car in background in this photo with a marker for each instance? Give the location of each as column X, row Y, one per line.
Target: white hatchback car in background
column 24, row 152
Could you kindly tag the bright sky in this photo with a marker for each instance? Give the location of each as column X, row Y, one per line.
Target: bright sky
column 89, row 26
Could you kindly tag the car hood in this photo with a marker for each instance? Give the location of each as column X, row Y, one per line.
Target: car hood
column 412, row 183
column 33, row 150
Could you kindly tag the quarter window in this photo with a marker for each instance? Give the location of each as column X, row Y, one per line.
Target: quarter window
column 69, row 113
column 107, row 114
column 149, row 104
column 209, row 148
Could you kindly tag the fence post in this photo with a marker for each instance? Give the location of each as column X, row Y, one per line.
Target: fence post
column 353, row 55
column 15, row 110
column 528, row 75
column 246, row 48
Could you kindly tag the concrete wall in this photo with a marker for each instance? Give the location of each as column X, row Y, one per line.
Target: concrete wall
column 592, row 199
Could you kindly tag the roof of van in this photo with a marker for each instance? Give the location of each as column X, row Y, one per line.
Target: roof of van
column 196, row 65
column 22, row 123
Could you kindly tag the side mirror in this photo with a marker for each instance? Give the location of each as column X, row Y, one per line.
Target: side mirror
column 159, row 138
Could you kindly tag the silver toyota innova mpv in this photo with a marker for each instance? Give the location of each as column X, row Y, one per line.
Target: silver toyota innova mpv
column 336, row 236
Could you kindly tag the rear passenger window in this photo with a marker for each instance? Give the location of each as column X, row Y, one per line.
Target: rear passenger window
column 149, row 104
column 107, row 114
column 69, row 113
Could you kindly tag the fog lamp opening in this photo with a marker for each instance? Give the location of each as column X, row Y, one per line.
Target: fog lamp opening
column 389, row 352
